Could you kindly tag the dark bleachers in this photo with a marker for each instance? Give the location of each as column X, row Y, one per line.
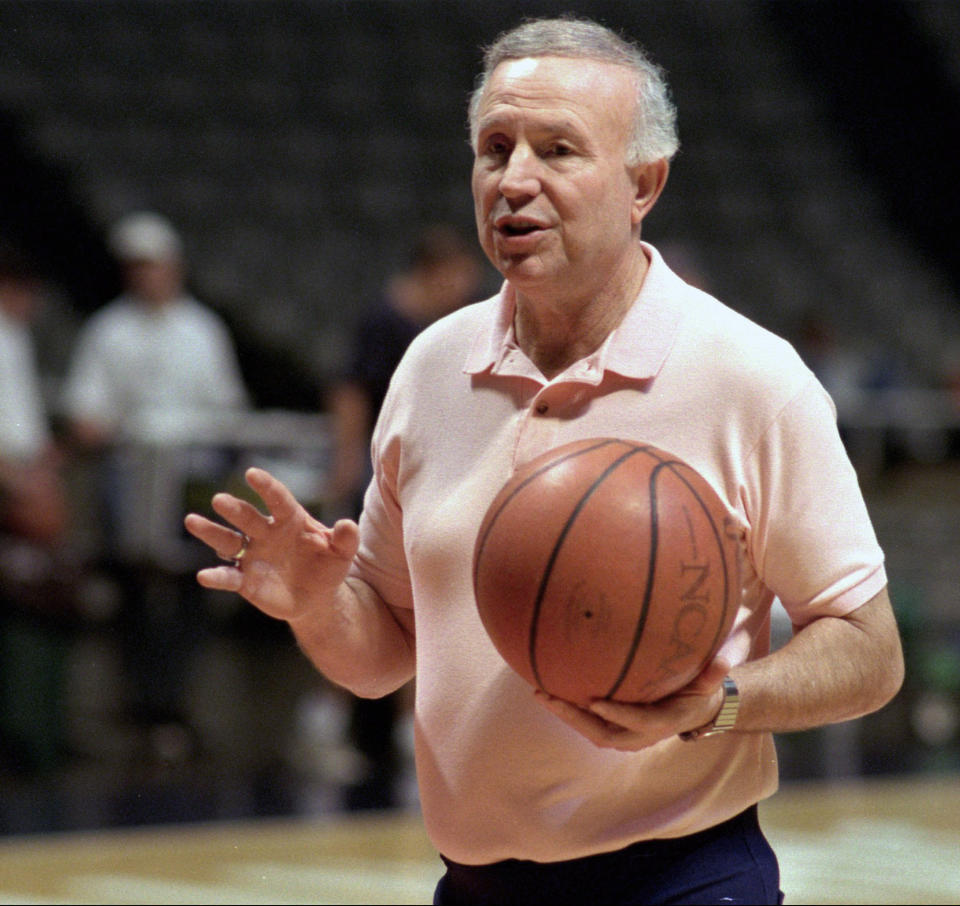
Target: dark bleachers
column 296, row 142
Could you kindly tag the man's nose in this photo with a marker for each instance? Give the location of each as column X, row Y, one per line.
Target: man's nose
column 521, row 173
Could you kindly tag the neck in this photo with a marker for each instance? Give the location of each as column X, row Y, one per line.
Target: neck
column 554, row 333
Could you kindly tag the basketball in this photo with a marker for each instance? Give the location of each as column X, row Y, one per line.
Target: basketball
column 606, row 568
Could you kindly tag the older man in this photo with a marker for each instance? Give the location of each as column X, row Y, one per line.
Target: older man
column 530, row 799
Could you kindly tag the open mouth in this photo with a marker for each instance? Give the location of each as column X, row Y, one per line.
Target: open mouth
column 518, row 228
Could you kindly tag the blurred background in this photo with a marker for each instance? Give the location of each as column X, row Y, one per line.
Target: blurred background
column 298, row 148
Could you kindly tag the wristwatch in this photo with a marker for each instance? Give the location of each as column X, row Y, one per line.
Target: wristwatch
column 726, row 717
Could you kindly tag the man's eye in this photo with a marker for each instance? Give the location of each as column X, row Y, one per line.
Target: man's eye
column 560, row 150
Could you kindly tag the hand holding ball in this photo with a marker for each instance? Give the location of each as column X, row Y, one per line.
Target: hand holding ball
column 607, row 569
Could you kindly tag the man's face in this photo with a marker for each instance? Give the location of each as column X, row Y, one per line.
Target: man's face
column 154, row 280
column 19, row 298
column 554, row 199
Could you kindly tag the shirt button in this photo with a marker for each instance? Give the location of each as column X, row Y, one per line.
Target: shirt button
column 542, row 408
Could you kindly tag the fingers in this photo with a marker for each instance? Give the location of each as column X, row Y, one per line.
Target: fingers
column 345, row 538
column 577, row 717
column 279, row 500
column 629, row 726
column 224, row 541
column 246, row 518
column 280, row 503
column 610, row 725
column 221, row 578
column 280, row 547
column 241, row 513
column 621, row 713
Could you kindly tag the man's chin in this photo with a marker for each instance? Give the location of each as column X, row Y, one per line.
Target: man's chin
column 521, row 269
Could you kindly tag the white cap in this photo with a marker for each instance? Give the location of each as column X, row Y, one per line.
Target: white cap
column 144, row 236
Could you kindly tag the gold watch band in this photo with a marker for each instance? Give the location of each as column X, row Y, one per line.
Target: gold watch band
column 726, row 717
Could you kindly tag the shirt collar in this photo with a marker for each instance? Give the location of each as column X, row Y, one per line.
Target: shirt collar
column 637, row 348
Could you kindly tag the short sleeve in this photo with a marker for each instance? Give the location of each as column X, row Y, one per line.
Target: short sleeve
column 381, row 559
column 811, row 539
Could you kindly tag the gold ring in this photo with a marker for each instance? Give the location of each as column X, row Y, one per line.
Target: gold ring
column 244, row 544
column 240, row 554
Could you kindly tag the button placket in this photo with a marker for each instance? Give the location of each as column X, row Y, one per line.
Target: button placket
column 538, row 431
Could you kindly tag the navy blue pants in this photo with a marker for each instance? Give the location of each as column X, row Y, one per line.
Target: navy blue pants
column 729, row 863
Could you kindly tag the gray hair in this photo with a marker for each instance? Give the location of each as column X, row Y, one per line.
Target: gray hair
column 655, row 124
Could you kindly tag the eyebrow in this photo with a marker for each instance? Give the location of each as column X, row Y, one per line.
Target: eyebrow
column 550, row 127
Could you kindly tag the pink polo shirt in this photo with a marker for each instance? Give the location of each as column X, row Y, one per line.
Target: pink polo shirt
column 499, row 776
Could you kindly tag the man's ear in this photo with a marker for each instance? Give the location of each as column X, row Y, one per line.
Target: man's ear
column 650, row 179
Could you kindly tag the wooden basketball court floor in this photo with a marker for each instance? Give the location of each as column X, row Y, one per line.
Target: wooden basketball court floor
column 877, row 841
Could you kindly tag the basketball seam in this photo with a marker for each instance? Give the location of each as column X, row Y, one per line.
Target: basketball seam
column 548, row 569
column 520, row 487
column 641, row 622
column 648, row 591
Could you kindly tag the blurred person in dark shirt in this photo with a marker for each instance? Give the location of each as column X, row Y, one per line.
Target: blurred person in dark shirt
column 443, row 274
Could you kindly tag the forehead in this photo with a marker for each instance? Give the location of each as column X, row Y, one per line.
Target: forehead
column 577, row 90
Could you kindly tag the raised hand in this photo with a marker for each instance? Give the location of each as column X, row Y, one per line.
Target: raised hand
column 291, row 563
